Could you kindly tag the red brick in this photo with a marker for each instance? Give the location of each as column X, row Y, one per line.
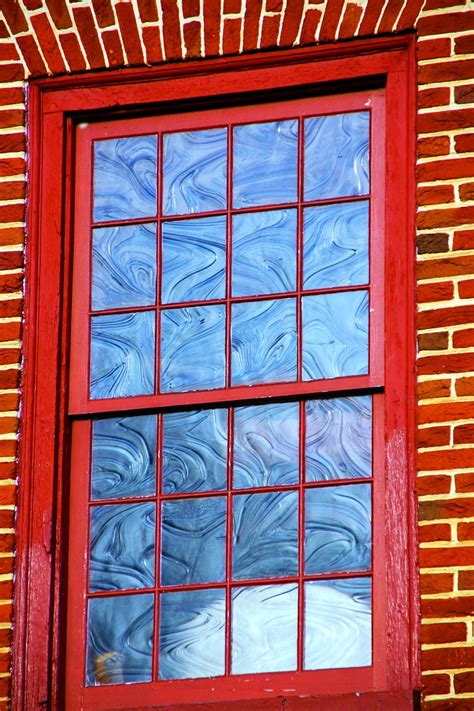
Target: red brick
column 466, row 580
column 446, row 266
column 433, row 436
column 438, row 4
column 6, row 612
column 10, row 282
column 463, row 45
column 291, row 23
column 466, row 191
column 464, row 682
column 465, row 386
column 434, row 388
column 371, row 15
column 464, row 338
column 389, row 16
column 14, row 16
column 171, row 29
column 350, row 21
column 12, row 213
column 191, row 8
column 232, row 7
column 8, row 52
column 148, row 11
column 11, row 142
column 447, row 658
column 103, row 12
column 48, row 43
column 464, row 94
column 465, row 531
column 11, row 235
column 11, row 166
column 231, row 36
column 409, row 15
column 466, row 288
column 444, row 169
column 445, row 120
column 436, row 683
column 432, row 534
column 5, row 661
column 7, row 495
column 192, row 39
column 9, row 379
column 251, row 24
column 446, row 22
column 73, row 52
column 31, row 55
column 444, row 633
column 274, row 5
column 5, row 686
column 9, row 355
column 60, row 13
column 447, row 607
column 434, row 341
column 270, row 30
column 464, row 143
column 11, row 96
column 330, row 21
column 7, row 520
column 88, row 34
column 310, row 25
column 435, row 194
column 436, row 96
column 11, row 118
column 32, row 4
column 433, row 48
column 13, row 71
column 7, row 471
column 8, row 424
column 433, row 484
column 152, row 41
column 436, row 291
column 446, row 363
column 432, row 243
column 4, row 31
column 448, row 508
column 12, row 191
column 8, row 448
column 446, row 459
column 212, row 11
column 129, row 32
column 113, row 47
column 9, row 332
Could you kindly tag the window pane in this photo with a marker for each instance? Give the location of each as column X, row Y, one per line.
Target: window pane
column 193, row 541
column 264, row 252
column 264, row 628
column 192, row 348
column 123, row 355
column 192, row 634
column 338, row 528
column 195, row 171
column 120, row 631
column 263, row 341
column 123, row 266
column 339, row 438
column 265, row 163
column 335, row 335
column 336, row 245
column 336, row 161
column 194, row 451
column 265, row 535
column 125, row 178
column 266, row 445
column 338, row 624
column 122, row 547
column 194, row 259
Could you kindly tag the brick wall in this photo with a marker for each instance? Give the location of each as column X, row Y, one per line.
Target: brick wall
column 40, row 37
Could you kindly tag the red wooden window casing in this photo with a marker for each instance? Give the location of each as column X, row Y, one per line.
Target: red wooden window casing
column 387, row 96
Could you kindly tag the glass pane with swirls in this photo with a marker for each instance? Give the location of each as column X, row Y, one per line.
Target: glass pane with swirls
column 194, row 451
column 265, row 163
column 123, row 266
column 336, row 245
column 125, row 178
column 193, row 259
column 336, row 160
column 123, row 457
column 263, row 341
column 122, row 546
column 119, row 639
column 264, row 628
column 339, row 438
column 266, row 445
column 192, row 348
column 192, row 634
column 193, row 540
column 194, row 171
column 263, row 252
column 338, row 624
column 338, row 528
column 265, row 535
column 122, row 355
column 335, row 335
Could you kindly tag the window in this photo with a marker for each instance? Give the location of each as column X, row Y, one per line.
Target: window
column 237, row 456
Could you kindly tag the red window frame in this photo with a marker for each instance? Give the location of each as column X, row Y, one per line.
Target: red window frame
column 383, row 70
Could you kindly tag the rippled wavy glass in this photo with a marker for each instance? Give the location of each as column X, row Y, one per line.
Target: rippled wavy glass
column 265, row 535
column 193, row 541
column 336, row 160
column 192, row 634
column 338, row 528
column 122, row 355
column 122, row 547
column 123, row 266
column 264, row 629
column 123, row 457
column 339, row 438
column 266, row 445
column 192, row 348
column 194, row 451
column 194, row 259
column 195, row 171
column 336, row 245
column 119, row 639
column 265, row 163
column 338, row 624
column 335, row 335
column 264, row 252
column 125, row 178
column 263, row 341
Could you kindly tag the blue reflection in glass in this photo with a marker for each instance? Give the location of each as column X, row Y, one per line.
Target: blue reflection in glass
column 192, row 634
column 263, row 341
column 123, row 457
column 339, row 438
column 335, row 335
column 338, row 529
column 123, row 266
column 194, row 451
column 264, row 628
column 195, row 171
column 266, row 445
column 264, row 252
column 194, row 259
column 336, row 245
column 338, row 624
column 265, row 163
column 336, row 161
column 125, row 178
column 119, row 639
column 193, row 541
column 122, row 546
column 122, row 355
column 265, row 535
column 192, row 348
